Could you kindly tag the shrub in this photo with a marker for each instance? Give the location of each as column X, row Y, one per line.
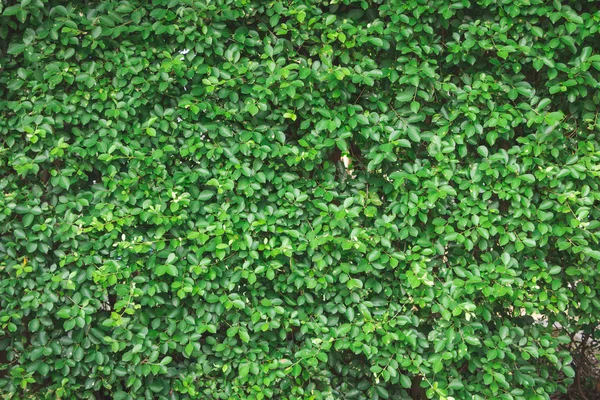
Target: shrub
column 297, row 200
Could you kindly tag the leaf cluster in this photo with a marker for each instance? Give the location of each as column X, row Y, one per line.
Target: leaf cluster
column 251, row 199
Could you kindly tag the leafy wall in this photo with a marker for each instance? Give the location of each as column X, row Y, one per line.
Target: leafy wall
column 297, row 200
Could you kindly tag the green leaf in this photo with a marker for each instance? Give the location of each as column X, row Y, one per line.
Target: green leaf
column 455, row 384
column 568, row 371
column 415, row 106
column 301, row 16
column 595, row 254
column 244, row 370
column 239, row 304
column 252, row 109
column 171, row 270
column 405, row 381
column 413, row 134
column 96, row 32
column 69, row 53
column 28, row 36
column 553, row 118
column 472, row 340
column 405, row 96
column 404, row 143
column 189, row 349
column 244, row 336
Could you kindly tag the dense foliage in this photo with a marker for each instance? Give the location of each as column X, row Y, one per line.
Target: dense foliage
column 337, row 199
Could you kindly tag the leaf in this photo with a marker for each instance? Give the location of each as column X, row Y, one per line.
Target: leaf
column 595, row 254
column 405, row 381
column 415, row 106
column 568, row 371
column 69, row 53
column 554, row 270
column 28, row 36
column 468, row 43
column 483, row 151
column 472, row 340
column 239, row 304
column 301, row 16
column 404, row 143
column 376, row 41
column 206, row 195
column 413, row 134
column 16, row 48
column 244, row 370
column 405, row 96
column 171, row 257
column 374, row 255
column 455, row 384
column 11, row 10
column 244, row 336
column 96, row 32
column 252, row 109
column 171, row 270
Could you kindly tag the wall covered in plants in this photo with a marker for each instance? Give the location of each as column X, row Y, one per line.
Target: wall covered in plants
column 248, row 199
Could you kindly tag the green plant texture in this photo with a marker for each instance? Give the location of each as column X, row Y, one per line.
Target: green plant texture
column 295, row 199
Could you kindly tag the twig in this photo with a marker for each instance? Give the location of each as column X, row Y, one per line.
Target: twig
column 580, row 366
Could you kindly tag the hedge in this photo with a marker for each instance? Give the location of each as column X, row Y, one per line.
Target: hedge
column 265, row 199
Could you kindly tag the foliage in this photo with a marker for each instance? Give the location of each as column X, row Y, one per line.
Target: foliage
column 177, row 219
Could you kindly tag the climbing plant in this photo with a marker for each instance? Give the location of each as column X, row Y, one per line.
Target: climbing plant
column 248, row 199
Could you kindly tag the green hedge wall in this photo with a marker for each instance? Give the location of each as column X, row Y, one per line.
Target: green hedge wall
column 252, row 199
